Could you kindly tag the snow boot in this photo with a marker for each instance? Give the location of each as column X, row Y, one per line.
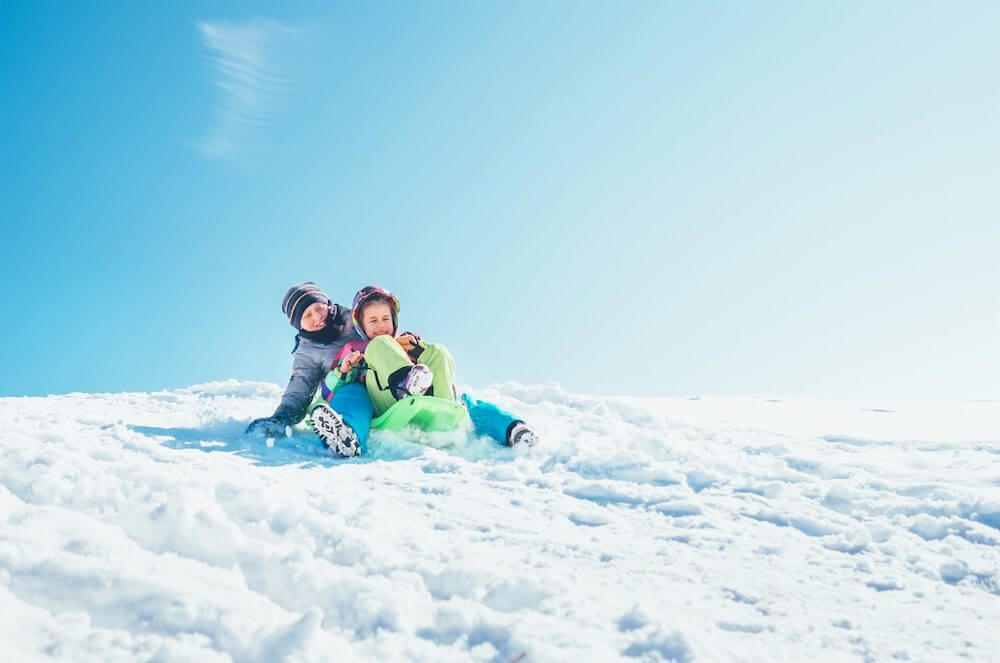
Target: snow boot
column 416, row 382
column 334, row 431
column 520, row 434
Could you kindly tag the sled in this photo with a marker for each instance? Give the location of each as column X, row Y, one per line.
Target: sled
column 428, row 413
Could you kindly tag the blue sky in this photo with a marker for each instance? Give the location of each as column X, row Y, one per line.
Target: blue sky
column 643, row 198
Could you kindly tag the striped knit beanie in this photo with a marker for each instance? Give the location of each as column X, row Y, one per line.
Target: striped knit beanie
column 298, row 298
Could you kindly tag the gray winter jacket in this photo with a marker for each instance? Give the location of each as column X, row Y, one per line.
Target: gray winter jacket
column 311, row 361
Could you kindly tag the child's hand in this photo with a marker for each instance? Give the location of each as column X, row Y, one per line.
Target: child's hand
column 407, row 341
column 349, row 362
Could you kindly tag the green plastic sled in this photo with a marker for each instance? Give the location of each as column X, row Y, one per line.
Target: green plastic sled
column 428, row 413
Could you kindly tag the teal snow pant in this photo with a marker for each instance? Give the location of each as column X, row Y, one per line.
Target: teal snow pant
column 351, row 402
column 384, row 357
column 489, row 420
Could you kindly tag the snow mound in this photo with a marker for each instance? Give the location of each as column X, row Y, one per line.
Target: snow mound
column 145, row 526
column 234, row 388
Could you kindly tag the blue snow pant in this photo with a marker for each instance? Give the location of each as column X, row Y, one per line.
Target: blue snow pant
column 351, row 402
column 488, row 419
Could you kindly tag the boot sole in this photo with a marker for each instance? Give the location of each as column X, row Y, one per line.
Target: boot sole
column 334, row 432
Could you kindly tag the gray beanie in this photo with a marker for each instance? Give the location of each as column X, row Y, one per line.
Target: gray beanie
column 298, row 298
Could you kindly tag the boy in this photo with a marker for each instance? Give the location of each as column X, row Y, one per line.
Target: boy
column 323, row 328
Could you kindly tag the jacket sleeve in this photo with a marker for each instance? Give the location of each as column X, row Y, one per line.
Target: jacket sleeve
column 306, row 376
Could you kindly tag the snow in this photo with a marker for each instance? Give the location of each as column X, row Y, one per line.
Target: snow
column 142, row 526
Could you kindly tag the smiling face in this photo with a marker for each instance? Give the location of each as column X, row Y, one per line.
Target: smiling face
column 314, row 317
column 376, row 319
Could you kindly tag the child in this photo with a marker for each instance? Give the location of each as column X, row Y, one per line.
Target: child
column 323, row 330
column 392, row 367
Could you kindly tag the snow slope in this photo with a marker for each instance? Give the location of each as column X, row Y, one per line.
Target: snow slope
column 143, row 527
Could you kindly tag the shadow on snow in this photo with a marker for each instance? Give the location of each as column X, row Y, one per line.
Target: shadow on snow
column 304, row 448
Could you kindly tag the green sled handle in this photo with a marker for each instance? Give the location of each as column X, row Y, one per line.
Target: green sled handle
column 428, row 413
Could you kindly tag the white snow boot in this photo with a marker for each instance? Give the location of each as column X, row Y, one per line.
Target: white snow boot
column 416, row 382
column 520, row 434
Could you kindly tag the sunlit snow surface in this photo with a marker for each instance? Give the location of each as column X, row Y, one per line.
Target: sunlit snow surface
column 143, row 526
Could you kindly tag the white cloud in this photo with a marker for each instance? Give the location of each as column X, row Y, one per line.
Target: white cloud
column 244, row 57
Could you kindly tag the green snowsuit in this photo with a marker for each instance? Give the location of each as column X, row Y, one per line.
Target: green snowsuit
column 385, row 356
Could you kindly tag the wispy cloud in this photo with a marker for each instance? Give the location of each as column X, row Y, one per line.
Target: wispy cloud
column 244, row 55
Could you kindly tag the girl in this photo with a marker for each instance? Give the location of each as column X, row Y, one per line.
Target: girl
column 392, row 367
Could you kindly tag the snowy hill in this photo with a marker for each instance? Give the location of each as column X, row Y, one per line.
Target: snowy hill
column 142, row 526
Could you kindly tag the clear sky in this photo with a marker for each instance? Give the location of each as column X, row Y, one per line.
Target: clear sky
column 657, row 198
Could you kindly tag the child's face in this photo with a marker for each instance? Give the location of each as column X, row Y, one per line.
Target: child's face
column 314, row 317
column 376, row 320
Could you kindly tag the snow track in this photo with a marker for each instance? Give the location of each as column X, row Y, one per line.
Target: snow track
column 143, row 526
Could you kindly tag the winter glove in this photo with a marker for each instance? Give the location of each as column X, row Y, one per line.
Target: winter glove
column 411, row 344
column 267, row 427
